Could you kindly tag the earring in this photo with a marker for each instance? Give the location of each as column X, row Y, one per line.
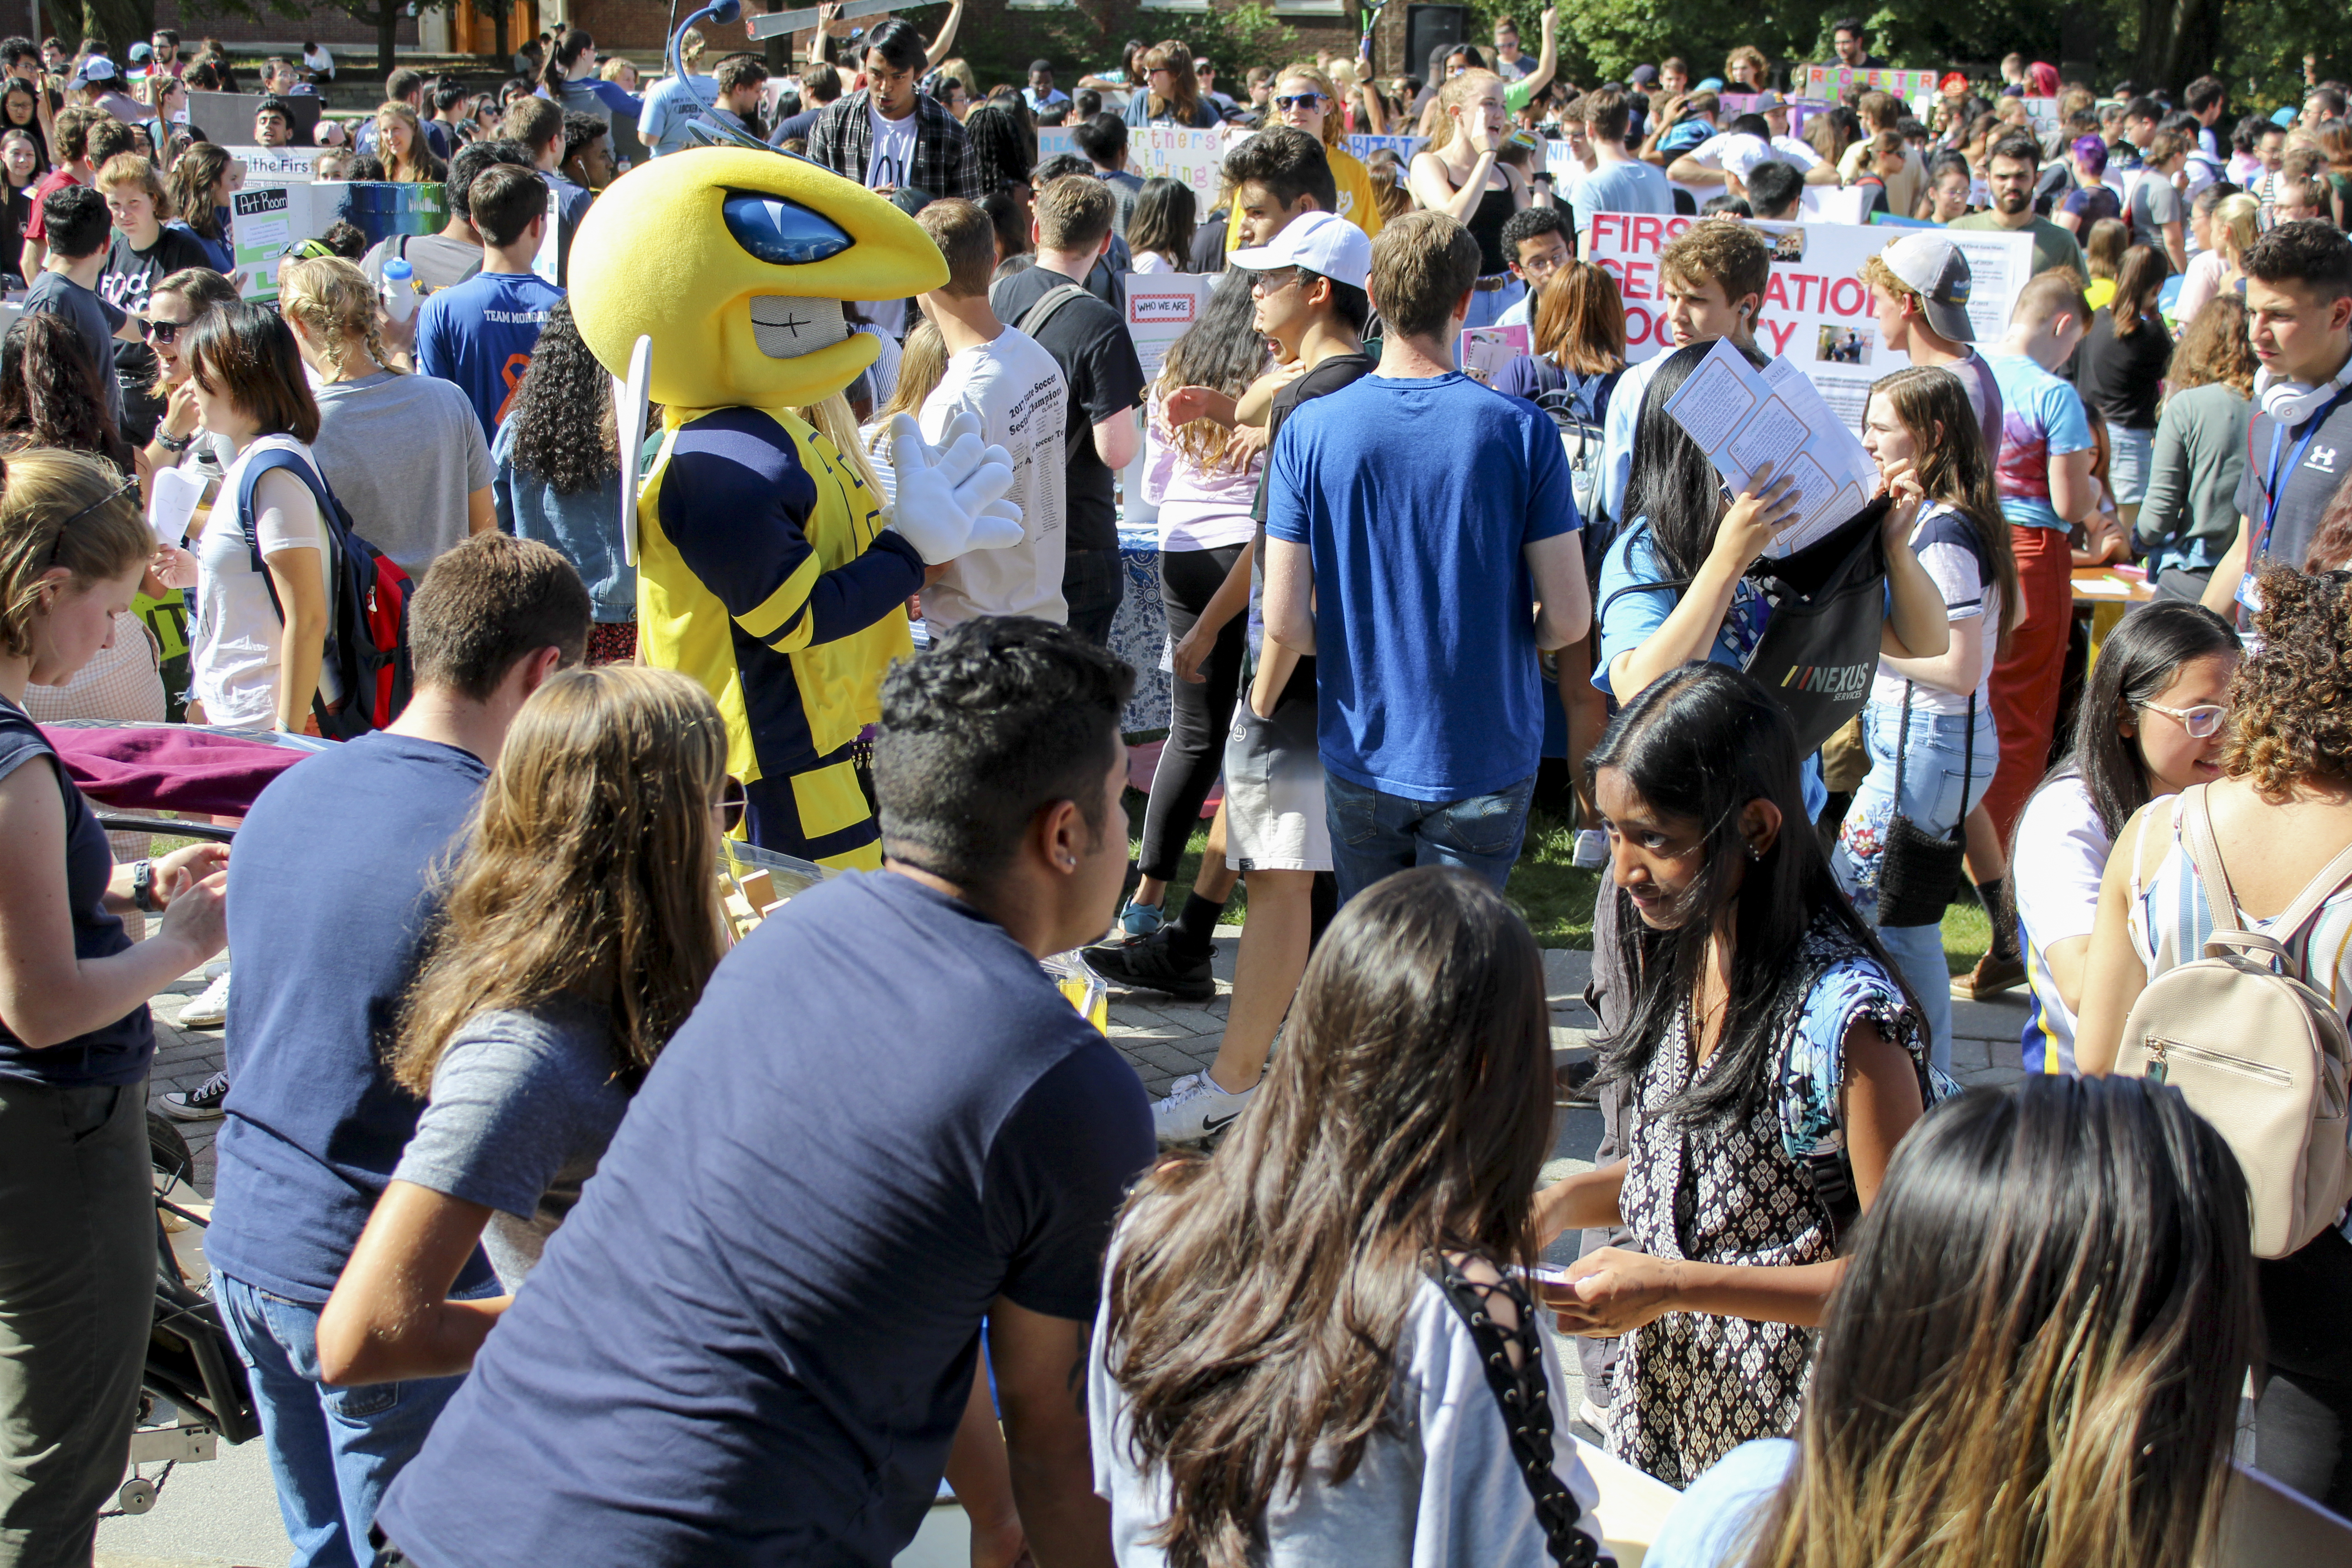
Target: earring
column 1755, row 850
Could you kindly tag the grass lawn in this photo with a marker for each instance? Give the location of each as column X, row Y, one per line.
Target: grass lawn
column 1556, row 899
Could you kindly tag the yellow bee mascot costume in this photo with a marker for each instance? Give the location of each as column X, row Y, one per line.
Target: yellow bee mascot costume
column 768, row 569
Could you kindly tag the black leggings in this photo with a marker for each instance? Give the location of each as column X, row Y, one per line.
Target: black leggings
column 2303, row 1422
column 1202, row 711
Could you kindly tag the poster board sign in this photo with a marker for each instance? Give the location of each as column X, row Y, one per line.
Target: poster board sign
column 1161, row 307
column 1169, row 151
column 1363, row 147
column 1817, row 309
column 1053, row 141
column 1800, row 109
column 1828, row 83
column 543, row 260
column 262, row 227
column 276, row 166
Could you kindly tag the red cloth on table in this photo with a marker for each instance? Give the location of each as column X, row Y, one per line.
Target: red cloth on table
column 169, row 767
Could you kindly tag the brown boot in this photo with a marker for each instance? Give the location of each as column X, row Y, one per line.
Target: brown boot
column 1992, row 976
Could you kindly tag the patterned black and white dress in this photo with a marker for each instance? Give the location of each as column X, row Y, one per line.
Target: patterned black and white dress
column 1695, row 1386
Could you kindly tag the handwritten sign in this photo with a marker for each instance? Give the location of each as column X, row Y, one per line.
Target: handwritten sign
column 1829, row 82
column 261, row 229
column 1161, row 307
column 278, row 165
column 1363, row 147
column 1817, row 311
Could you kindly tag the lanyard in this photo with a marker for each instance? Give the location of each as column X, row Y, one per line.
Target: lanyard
column 2274, row 491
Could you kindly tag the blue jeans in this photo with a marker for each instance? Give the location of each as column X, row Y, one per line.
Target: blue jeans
column 1932, row 769
column 1374, row 834
column 333, row 1451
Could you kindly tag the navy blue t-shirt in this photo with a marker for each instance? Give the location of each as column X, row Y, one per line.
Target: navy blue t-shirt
column 754, row 1339
column 330, row 896
column 120, row 1052
column 1424, row 611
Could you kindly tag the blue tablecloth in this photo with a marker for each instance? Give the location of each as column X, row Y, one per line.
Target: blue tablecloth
column 1140, row 634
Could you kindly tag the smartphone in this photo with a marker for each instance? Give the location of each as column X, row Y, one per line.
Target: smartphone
column 1546, row 1274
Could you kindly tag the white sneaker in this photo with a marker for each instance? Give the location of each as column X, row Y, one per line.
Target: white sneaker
column 1196, row 1109
column 1593, row 1415
column 208, row 1008
column 1592, row 849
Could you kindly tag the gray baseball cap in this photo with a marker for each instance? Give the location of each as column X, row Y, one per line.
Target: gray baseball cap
column 1938, row 270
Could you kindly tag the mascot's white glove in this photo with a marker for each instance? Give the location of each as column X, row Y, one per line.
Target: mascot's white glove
column 948, row 499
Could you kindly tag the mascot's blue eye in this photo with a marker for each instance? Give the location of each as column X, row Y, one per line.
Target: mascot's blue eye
column 781, row 233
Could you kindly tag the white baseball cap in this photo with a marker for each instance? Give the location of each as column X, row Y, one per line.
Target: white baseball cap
column 1320, row 242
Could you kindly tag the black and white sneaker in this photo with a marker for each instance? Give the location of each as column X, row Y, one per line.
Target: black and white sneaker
column 1152, row 963
column 202, row 1103
column 1196, row 1109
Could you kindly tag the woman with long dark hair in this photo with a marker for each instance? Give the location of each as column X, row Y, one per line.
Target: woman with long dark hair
column 1203, row 477
column 1159, row 234
column 2121, row 373
column 535, row 1015
column 569, row 77
column 2149, row 725
column 1309, row 1338
column 1774, row 1058
column 2034, row 1357
column 1002, row 148
column 1928, row 726
column 2275, row 809
column 557, row 478
column 51, row 394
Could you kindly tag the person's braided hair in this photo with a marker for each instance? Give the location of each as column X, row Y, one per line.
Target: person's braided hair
column 2291, row 702
column 333, row 298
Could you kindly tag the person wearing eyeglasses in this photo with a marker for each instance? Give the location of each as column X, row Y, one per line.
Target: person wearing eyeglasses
column 536, row 1015
column 2150, row 725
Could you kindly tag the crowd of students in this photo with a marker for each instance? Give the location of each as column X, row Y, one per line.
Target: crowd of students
column 500, row 1035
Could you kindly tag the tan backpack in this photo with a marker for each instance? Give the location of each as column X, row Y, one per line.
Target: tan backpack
column 2261, row 1055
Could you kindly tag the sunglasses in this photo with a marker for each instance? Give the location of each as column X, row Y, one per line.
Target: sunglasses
column 729, row 809
column 163, row 332
column 1302, row 100
column 56, row 545
column 2203, row 721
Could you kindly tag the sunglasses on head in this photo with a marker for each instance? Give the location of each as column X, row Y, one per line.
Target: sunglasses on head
column 1300, row 101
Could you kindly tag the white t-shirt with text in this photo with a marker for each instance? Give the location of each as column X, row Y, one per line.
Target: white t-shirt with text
column 1016, row 389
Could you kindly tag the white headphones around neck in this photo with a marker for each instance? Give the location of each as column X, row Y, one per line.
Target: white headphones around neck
column 2290, row 403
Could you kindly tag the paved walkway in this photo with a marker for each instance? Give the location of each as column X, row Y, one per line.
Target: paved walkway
column 225, row 1512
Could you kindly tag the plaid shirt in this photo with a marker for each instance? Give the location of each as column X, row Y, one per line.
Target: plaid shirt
column 843, row 141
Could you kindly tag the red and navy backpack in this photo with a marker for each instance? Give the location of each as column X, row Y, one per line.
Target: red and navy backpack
column 364, row 676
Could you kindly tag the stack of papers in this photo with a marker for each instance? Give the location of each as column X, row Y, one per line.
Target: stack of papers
column 1747, row 421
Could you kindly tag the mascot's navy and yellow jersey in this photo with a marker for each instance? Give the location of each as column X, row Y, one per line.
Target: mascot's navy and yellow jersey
column 764, row 571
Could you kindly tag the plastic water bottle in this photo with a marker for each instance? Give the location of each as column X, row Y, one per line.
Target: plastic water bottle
column 399, row 289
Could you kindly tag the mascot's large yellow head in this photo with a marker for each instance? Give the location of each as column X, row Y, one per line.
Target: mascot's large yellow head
column 735, row 263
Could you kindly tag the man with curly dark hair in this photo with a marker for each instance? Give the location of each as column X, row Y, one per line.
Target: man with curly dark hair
column 2299, row 305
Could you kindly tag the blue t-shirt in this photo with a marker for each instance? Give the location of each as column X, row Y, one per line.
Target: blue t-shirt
column 1629, row 619
column 330, row 899
column 481, row 334
column 1427, row 682
column 2042, row 418
column 1628, row 187
column 1708, row 1524
column 112, row 1054
column 672, row 104
column 752, row 1341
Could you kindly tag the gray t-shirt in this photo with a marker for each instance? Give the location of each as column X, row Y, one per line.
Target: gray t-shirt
column 439, row 261
column 403, row 453
column 1442, row 1490
column 2154, row 202
column 523, row 1104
